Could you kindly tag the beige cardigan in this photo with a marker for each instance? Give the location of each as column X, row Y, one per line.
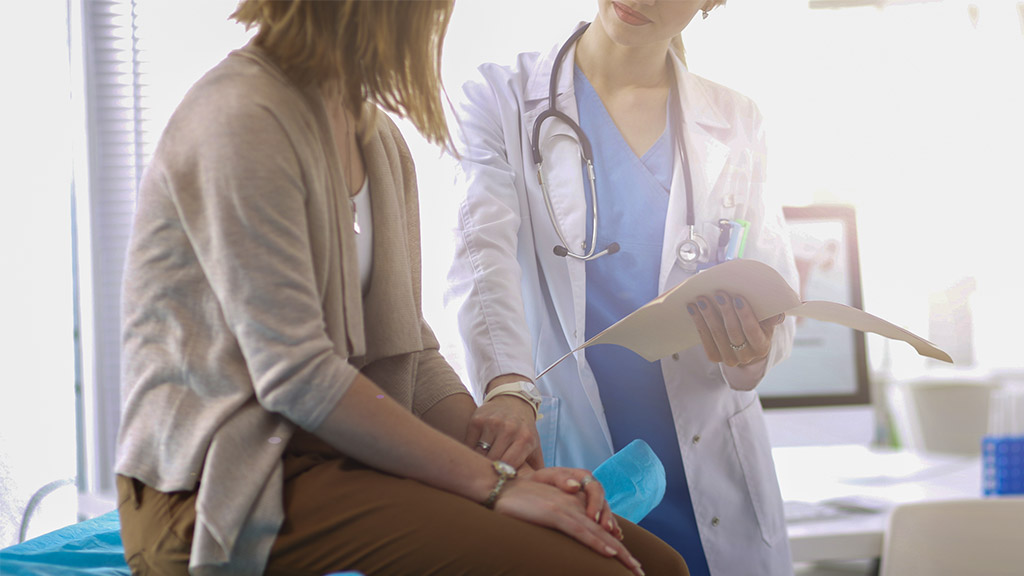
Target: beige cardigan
column 242, row 309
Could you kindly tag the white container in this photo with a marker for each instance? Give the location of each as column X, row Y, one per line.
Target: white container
column 943, row 412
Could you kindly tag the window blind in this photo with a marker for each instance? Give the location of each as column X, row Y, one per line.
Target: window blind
column 105, row 202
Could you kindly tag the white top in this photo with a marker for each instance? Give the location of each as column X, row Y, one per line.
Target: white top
column 364, row 237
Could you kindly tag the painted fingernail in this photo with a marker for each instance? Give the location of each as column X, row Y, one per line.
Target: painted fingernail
column 691, row 309
column 721, row 299
column 597, row 517
column 572, row 483
column 611, row 551
column 703, row 305
column 635, row 562
column 738, row 301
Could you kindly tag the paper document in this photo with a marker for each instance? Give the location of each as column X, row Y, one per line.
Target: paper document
column 663, row 326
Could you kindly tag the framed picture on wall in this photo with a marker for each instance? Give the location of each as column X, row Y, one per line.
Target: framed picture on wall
column 828, row 365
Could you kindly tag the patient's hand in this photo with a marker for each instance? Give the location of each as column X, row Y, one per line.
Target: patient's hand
column 583, row 484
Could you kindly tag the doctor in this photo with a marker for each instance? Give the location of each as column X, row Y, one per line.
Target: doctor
column 551, row 250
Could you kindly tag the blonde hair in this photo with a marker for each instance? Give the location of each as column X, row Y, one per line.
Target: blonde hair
column 384, row 52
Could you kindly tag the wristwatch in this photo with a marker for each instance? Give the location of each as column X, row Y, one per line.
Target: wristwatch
column 505, row 473
column 523, row 389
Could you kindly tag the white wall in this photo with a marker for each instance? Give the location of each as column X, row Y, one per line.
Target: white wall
column 37, row 393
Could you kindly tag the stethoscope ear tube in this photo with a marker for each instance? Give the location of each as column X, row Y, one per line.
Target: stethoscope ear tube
column 552, row 110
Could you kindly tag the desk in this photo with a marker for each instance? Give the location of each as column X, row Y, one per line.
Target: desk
column 884, row 478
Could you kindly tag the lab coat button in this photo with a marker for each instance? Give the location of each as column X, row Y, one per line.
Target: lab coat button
column 675, row 356
column 695, row 439
column 714, row 521
column 728, row 201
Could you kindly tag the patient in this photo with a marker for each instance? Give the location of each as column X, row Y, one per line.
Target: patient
column 287, row 409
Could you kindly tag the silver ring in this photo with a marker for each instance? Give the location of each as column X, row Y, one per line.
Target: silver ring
column 586, row 480
column 738, row 347
column 485, row 446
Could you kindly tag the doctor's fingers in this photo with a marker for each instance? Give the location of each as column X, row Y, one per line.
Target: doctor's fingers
column 500, row 433
column 516, row 448
column 757, row 335
column 746, row 339
column 715, row 319
column 704, row 331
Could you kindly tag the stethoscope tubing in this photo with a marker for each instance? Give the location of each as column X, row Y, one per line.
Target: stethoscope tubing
column 586, row 152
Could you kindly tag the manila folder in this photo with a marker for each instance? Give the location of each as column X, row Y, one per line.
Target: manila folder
column 663, row 326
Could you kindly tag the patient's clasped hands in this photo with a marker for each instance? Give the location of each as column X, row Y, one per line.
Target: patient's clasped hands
column 571, row 501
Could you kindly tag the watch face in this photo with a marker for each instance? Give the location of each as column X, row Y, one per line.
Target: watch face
column 505, row 469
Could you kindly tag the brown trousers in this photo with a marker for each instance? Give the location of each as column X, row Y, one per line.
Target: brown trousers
column 341, row 515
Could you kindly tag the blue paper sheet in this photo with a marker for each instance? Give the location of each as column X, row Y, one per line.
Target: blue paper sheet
column 90, row 548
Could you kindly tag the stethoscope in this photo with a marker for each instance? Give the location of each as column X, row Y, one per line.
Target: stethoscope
column 691, row 252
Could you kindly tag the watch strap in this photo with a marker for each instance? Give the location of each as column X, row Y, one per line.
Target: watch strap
column 515, row 389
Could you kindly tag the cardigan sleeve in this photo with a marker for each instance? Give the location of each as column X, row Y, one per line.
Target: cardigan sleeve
column 242, row 195
column 435, row 378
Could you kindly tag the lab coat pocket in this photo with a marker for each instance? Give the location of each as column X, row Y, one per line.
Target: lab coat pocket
column 547, row 426
column 755, row 455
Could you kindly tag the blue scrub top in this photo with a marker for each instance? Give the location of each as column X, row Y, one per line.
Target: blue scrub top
column 632, row 199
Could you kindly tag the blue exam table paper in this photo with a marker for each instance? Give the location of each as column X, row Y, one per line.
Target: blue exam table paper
column 89, row 548
column 633, row 480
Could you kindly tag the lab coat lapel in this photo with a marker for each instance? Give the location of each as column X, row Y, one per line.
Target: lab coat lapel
column 707, row 156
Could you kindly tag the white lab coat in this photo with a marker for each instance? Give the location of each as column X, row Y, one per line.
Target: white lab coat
column 521, row 307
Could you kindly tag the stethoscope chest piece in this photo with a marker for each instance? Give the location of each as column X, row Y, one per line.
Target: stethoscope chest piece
column 692, row 251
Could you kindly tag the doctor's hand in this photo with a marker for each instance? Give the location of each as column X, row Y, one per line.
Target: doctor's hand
column 505, row 429
column 729, row 331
